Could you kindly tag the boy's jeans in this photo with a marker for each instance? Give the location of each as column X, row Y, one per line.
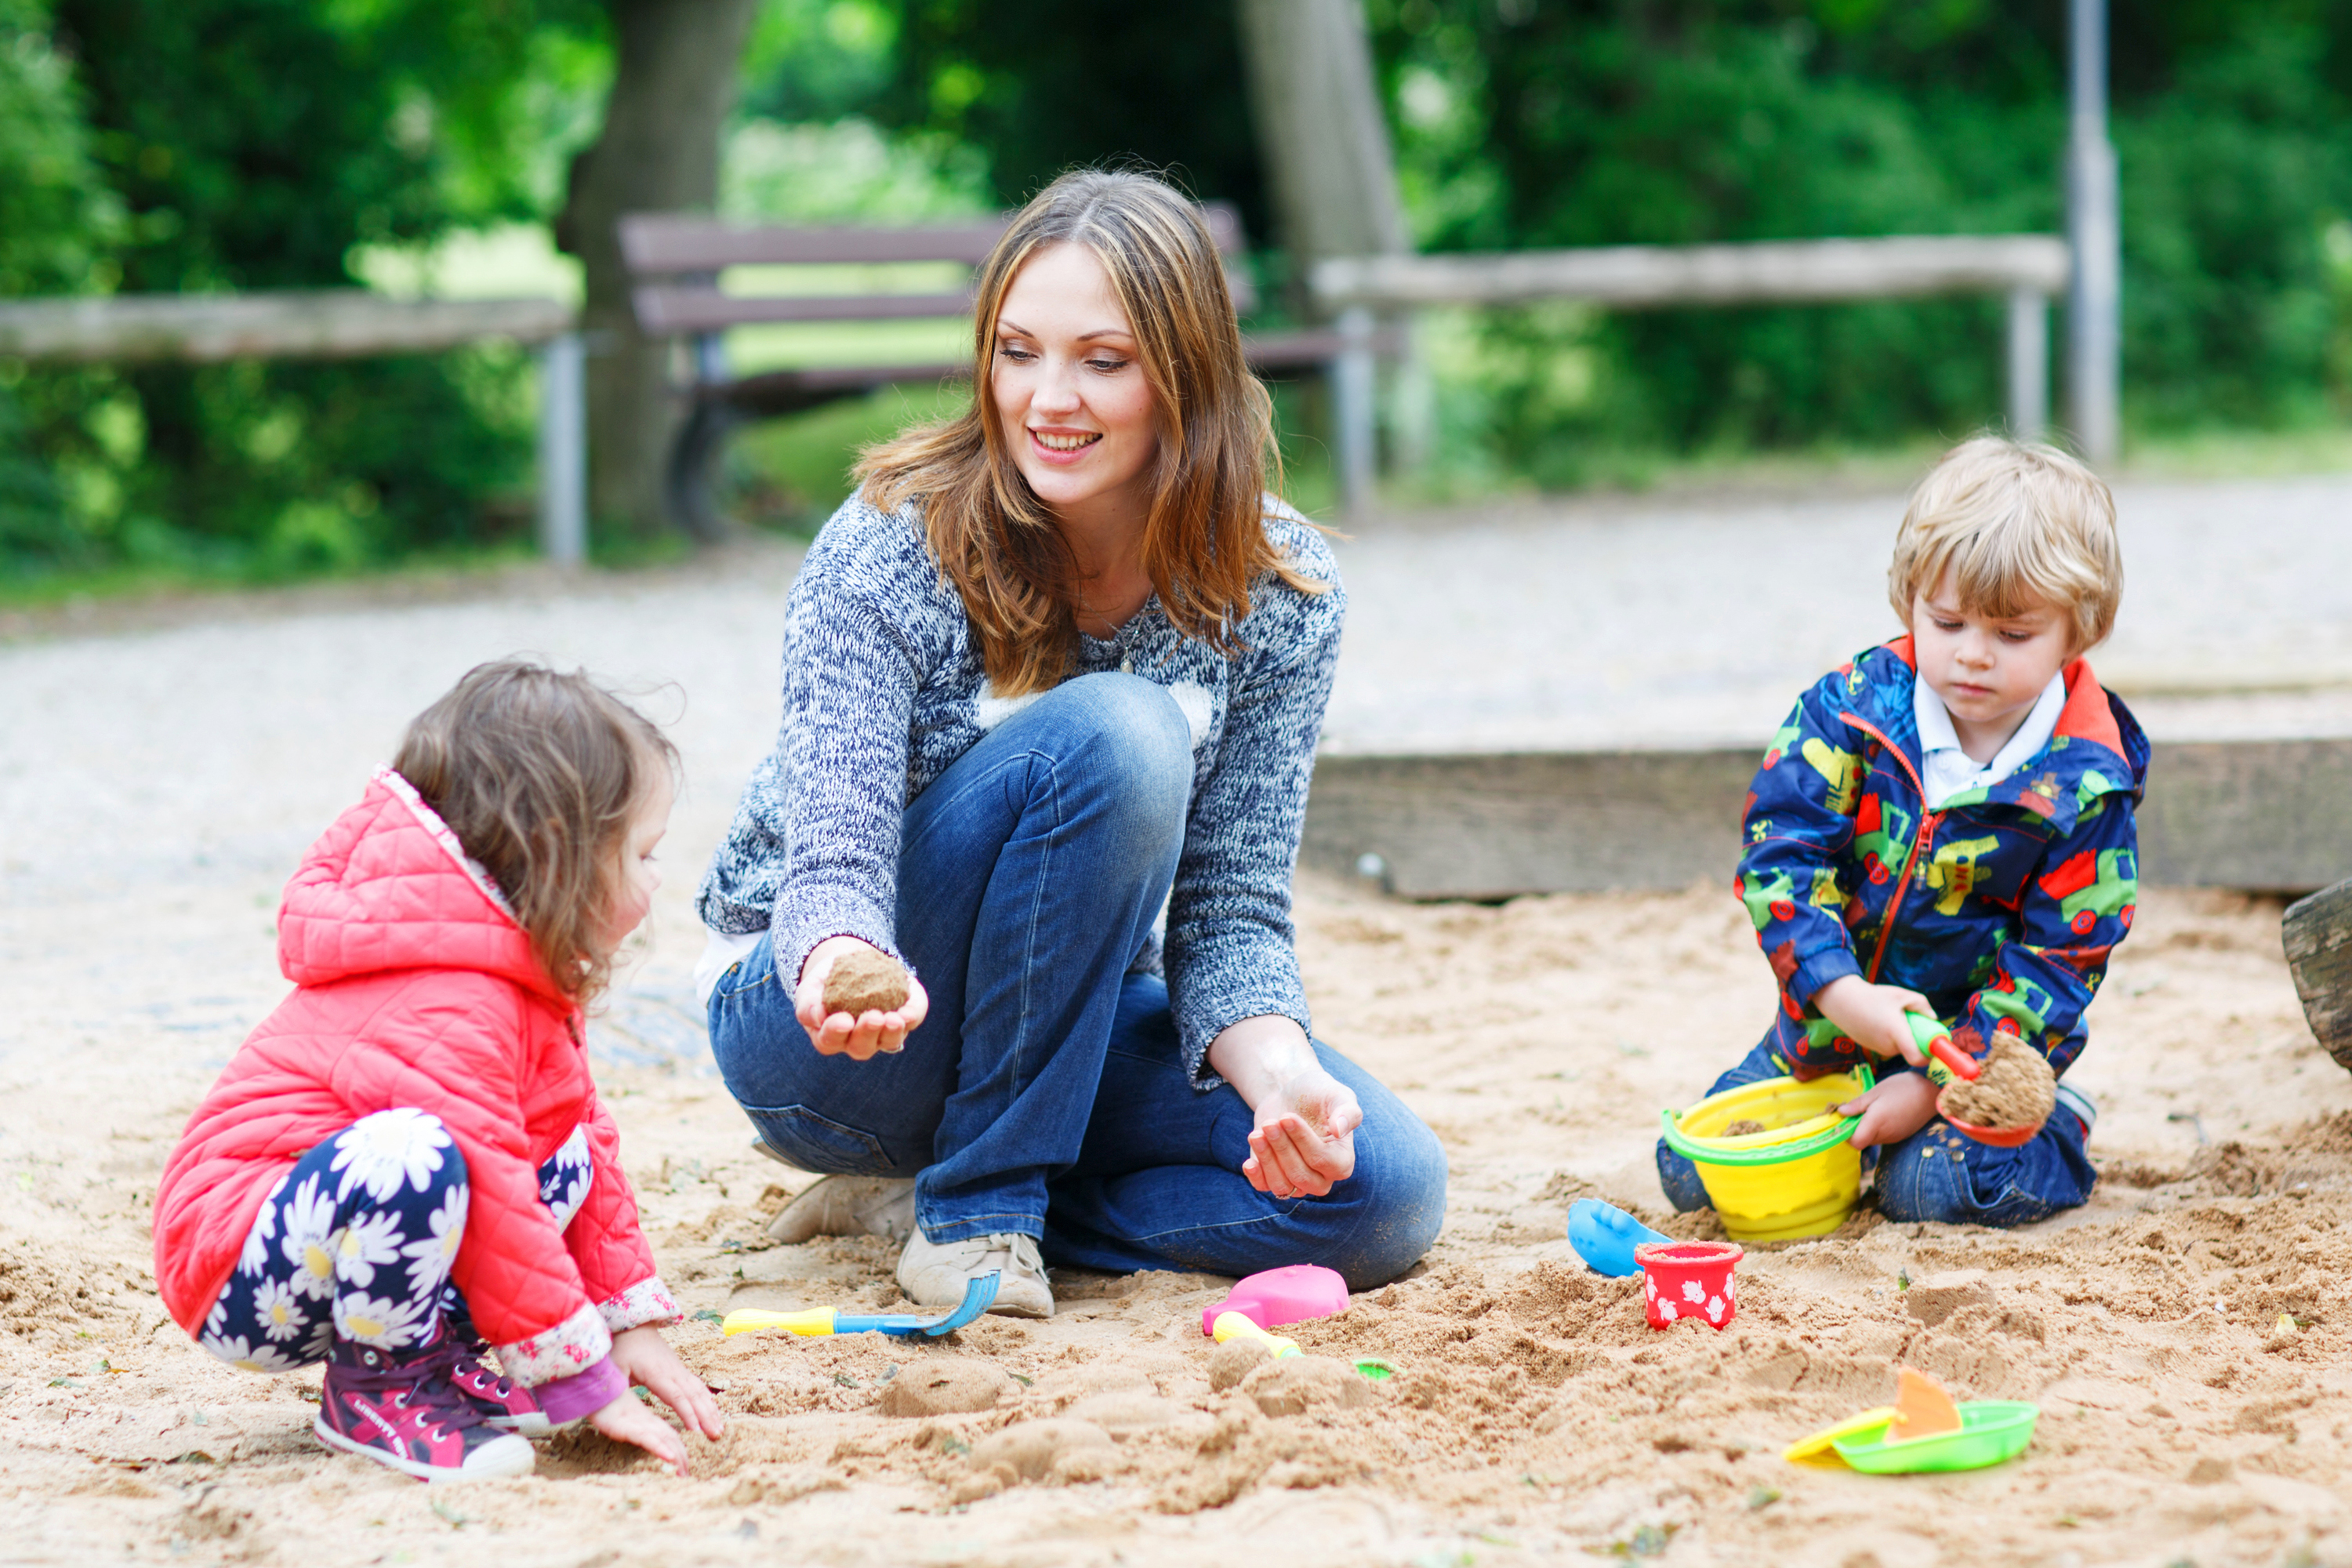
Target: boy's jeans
column 1934, row 1174
column 1029, row 875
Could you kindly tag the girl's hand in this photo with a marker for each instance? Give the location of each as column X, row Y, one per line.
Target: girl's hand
column 646, row 1357
column 860, row 1038
column 1305, row 1140
column 1893, row 1111
column 1873, row 1015
column 627, row 1420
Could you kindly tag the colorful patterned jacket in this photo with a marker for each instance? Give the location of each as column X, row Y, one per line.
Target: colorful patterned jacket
column 2001, row 906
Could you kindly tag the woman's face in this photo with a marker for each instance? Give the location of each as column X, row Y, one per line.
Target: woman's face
column 1071, row 399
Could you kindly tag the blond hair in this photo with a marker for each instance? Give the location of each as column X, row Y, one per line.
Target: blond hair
column 539, row 774
column 2020, row 526
column 1204, row 539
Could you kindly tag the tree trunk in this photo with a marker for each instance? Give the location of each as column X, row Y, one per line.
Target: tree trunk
column 1333, row 179
column 1319, row 125
column 658, row 151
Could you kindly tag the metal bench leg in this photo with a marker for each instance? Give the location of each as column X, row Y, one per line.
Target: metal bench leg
column 690, row 480
column 563, row 450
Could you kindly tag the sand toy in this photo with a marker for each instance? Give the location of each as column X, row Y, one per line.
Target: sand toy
column 1238, row 1326
column 2013, row 1081
column 1279, row 1296
column 1688, row 1280
column 817, row 1322
column 1605, row 1235
column 1922, row 1430
column 1797, row 1176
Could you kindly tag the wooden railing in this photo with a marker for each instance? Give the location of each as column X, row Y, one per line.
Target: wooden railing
column 343, row 324
column 2026, row 269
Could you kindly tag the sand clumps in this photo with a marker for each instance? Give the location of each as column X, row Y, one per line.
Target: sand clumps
column 1293, row 1385
column 2015, row 1088
column 948, row 1386
column 863, row 980
column 1746, row 1127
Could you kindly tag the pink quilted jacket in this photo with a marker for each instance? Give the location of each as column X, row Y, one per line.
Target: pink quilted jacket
column 416, row 987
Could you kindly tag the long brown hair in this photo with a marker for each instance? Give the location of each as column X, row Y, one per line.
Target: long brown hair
column 1204, row 539
column 539, row 774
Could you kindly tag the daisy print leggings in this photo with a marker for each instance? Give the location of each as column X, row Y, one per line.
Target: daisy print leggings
column 355, row 1243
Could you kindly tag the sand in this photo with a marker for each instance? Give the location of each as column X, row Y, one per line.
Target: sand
column 2014, row 1088
column 2185, row 1334
column 862, row 981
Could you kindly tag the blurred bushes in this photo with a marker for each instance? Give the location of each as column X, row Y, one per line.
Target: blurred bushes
column 222, row 145
column 1675, row 121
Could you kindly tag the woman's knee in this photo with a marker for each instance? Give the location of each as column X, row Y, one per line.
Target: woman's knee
column 1135, row 735
column 1399, row 1188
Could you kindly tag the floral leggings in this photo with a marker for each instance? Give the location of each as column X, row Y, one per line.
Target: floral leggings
column 355, row 1242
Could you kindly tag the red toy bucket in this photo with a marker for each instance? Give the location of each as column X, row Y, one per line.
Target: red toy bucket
column 1688, row 1280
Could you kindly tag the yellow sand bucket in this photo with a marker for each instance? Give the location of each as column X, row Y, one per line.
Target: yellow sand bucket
column 1798, row 1177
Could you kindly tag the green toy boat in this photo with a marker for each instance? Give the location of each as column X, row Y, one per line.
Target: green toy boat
column 1991, row 1430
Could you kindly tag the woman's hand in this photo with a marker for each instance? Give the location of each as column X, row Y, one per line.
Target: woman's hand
column 860, row 1038
column 1873, row 1015
column 1305, row 1138
column 1892, row 1111
column 645, row 1357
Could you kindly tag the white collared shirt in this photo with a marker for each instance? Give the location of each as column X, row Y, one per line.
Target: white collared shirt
column 1949, row 771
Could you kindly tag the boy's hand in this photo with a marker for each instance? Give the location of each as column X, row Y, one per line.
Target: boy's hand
column 1872, row 1016
column 1893, row 1111
column 646, row 1357
column 838, row 1034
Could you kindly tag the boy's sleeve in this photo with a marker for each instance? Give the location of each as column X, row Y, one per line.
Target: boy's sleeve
column 2073, row 912
column 1798, row 823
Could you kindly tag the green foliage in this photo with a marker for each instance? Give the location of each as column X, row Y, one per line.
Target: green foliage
column 1040, row 86
column 1676, row 121
column 259, row 145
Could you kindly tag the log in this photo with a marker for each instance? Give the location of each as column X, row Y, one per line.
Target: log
column 2318, row 934
column 1653, row 276
column 332, row 323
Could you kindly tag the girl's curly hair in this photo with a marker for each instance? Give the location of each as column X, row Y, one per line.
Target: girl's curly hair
column 539, row 774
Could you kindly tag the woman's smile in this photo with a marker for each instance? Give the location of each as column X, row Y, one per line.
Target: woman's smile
column 1063, row 445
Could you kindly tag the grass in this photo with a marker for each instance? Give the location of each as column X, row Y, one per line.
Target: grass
column 788, row 475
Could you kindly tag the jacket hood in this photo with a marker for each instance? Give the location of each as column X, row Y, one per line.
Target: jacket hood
column 2097, row 749
column 388, row 887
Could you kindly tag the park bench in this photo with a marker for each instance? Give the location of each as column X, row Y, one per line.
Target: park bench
column 678, row 266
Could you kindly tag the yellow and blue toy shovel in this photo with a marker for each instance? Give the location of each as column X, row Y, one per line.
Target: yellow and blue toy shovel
column 819, row 1321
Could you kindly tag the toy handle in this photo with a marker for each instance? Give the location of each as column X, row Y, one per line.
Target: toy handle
column 810, row 1324
column 1237, row 1326
column 1945, row 1060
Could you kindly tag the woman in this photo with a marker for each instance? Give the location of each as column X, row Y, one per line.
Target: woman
column 1061, row 664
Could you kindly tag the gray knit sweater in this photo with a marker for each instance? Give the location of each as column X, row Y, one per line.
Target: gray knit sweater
column 884, row 689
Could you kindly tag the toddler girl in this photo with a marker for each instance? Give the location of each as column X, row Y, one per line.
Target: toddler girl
column 406, row 1163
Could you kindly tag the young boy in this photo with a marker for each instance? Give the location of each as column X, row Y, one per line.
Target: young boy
column 1944, row 827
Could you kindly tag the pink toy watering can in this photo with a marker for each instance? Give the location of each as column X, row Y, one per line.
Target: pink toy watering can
column 1280, row 1296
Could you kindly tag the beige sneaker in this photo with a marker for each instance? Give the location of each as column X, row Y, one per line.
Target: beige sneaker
column 934, row 1274
column 849, row 1206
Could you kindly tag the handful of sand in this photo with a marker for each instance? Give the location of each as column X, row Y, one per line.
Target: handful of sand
column 863, row 980
column 2015, row 1088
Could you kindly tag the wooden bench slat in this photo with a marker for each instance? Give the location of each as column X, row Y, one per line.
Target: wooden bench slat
column 666, row 243
column 662, row 311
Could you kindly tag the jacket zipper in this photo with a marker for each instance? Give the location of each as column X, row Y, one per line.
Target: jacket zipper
column 1928, row 821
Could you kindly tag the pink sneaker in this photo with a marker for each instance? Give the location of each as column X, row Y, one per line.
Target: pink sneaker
column 503, row 1403
column 407, row 1413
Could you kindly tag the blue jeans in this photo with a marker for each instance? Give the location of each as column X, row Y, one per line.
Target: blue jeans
column 1045, row 1093
column 1936, row 1173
